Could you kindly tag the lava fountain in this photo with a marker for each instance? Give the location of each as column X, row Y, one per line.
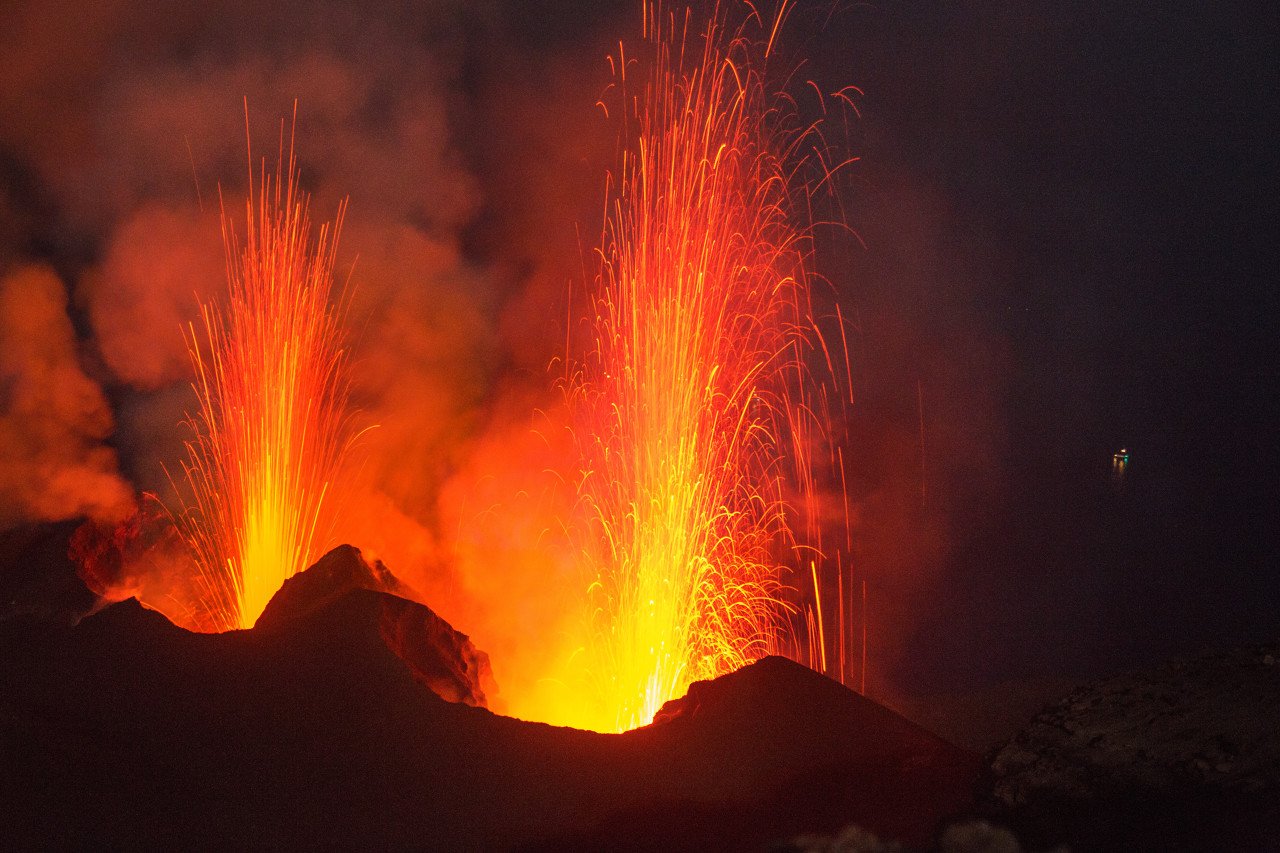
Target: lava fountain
column 271, row 427
column 687, row 412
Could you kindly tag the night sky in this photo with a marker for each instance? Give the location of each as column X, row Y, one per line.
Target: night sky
column 1067, row 228
column 1104, row 176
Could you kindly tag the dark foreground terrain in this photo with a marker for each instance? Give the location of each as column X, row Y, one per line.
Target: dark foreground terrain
column 352, row 717
column 1182, row 757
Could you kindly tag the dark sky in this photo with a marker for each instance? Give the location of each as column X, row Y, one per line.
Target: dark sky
column 1106, row 176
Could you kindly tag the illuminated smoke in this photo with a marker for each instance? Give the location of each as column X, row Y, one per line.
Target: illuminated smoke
column 53, row 417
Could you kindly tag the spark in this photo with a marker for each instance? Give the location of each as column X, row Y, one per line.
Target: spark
column 271, row 424
column 691, row 406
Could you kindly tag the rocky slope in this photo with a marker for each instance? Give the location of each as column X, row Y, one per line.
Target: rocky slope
column 326, row 725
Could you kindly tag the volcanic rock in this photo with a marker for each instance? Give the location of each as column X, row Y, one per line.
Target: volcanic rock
column 312, row 730
column 443, row 659
column 967, row 837
column 1186, row 756
column 340, row 571
column 792, row 748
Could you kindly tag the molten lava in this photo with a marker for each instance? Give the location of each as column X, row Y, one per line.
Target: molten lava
column 271, row 425
column 690, row 406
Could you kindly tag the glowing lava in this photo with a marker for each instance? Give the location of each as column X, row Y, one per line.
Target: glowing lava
column 687, row 414
column 271, row 425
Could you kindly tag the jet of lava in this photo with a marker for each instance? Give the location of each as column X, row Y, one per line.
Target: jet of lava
column 271, row 427
column 691, row 405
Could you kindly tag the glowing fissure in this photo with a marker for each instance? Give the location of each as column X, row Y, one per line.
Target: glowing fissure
column 271, row 428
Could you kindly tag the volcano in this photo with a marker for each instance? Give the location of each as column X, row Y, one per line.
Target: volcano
column 353, row 716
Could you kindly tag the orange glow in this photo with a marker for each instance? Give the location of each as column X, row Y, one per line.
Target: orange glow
column 271, row 427
column 662, row 522
column 687, row 418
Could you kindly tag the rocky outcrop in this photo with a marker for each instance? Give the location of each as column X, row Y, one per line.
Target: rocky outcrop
column 332, row 576
column 1191, row 750
column 443, row 659
column 780, row 722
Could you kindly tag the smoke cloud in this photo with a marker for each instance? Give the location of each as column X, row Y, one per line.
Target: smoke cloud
column 53, row 418
column 133, row 124
column 461, row 154
column 158, row 266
